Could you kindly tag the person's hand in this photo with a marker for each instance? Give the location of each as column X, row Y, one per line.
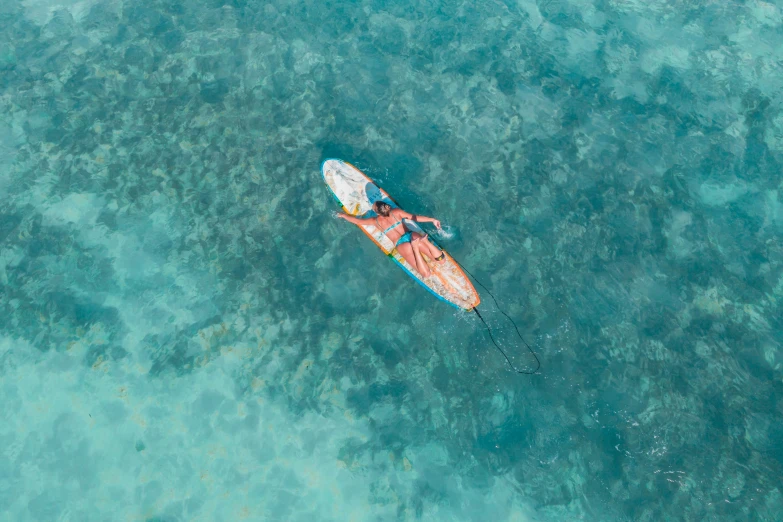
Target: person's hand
column 341, row 215
column 436, row 223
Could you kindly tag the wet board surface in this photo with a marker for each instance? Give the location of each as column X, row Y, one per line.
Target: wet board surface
column 356, row 193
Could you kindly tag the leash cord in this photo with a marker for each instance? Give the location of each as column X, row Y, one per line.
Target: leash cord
column 489, row 330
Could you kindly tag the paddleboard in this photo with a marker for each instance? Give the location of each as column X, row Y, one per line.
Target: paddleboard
column 356, row 193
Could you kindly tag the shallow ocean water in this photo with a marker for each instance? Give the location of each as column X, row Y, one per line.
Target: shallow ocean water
column 186, row 332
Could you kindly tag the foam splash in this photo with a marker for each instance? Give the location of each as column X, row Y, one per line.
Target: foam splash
column 446, row 232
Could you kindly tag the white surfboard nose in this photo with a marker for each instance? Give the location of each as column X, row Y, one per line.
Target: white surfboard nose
column 331, row 164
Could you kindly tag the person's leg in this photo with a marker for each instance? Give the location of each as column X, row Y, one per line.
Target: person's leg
column 413, row 257
column 421, row 244
column 431, row 250
column 416, row 243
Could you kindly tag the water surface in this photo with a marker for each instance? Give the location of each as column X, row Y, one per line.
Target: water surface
column 186, row 333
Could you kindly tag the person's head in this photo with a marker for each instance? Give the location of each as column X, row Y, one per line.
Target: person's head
column 381, row 208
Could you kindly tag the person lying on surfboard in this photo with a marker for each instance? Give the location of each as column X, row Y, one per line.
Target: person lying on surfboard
column 409, row 244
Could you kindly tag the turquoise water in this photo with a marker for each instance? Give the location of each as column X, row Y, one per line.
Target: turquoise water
column 186, row 332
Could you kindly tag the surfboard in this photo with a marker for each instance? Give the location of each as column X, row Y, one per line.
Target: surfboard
column 356, row 193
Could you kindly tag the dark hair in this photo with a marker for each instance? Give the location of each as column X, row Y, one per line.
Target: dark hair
column 382, row 208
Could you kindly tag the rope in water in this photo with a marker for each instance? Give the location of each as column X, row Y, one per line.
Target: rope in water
column 489, row 330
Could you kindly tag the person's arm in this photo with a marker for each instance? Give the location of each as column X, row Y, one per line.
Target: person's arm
column 419, row 219
column 356, row 220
